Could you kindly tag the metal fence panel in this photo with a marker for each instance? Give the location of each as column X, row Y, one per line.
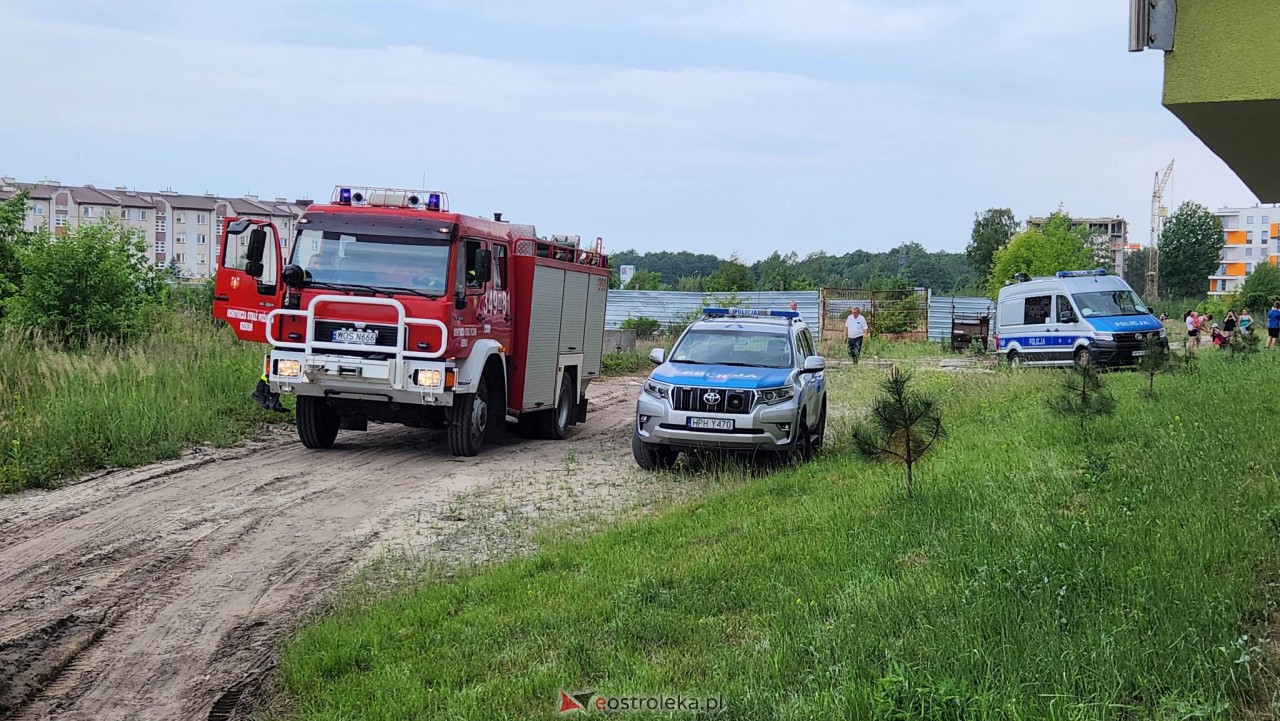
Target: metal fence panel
column 943, row 308
column 668, row 306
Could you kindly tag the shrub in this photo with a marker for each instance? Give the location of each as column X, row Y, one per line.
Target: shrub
column 621, row 364
column 94, row 282
column 644, row 327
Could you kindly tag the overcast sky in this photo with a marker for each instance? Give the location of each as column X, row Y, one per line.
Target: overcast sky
column 724, row 126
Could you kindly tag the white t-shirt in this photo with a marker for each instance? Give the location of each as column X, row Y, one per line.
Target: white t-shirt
column 1191, row 323
column 856, row 325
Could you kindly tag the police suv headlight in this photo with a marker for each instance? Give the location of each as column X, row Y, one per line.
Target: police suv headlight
column 773, row 396
column 661, row 391
column 1102, row 335
column 1164, row 333
column 288, row 367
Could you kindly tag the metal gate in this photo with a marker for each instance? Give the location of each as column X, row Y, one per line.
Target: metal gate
column 900, row 313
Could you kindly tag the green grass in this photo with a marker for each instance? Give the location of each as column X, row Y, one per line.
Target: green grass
column 625, row 364
column 1028, row 580
column 66, row 413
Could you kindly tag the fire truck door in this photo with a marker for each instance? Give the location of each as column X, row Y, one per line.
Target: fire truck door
column 247, row 286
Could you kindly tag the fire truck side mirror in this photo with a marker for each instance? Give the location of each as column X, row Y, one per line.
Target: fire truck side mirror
column 484, row 265
column 257, row 245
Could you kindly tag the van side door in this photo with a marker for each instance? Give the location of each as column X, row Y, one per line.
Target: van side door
column 1070, row 327
column 1035, row 334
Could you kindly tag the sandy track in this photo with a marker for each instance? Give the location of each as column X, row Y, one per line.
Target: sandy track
column 160, row 592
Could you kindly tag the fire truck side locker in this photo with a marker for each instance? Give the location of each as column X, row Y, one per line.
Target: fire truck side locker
column 543, row 357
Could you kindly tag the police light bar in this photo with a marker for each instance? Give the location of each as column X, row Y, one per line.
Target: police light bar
column 1081, row 273
column 747, row 313
column 434, row 200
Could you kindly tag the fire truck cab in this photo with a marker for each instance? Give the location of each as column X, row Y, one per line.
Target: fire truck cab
column 388, row 307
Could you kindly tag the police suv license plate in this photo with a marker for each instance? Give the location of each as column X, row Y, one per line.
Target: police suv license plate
column 711, row 424
column 352, row 335
column 1138, row 353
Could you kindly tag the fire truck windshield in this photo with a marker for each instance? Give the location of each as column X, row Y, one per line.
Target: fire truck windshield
column 378, row 261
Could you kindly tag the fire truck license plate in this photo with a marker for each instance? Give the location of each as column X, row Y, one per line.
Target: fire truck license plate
column 351, row 335
column 714, row 424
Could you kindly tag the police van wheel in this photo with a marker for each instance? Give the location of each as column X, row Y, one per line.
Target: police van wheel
column 1082, row 356
column 650, row 456
column 554, row 424
column 317, row 422
column 1014, row 359
column 469, row 420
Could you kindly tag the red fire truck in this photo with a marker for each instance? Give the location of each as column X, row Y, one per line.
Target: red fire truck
column 391, row 308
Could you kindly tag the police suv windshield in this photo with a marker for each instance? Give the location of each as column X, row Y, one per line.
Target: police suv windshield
column 380, row 261
column 1110, row 302
column 713, row 346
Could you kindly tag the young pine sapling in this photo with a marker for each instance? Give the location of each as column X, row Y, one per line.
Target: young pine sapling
column 903, row 426
column 1082, row 396
column 1155, row 359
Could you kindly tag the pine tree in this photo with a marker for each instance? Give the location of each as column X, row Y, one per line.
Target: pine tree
column 903, row 425
column 1243, row 344
column 1155, row 360
column 1083, row 396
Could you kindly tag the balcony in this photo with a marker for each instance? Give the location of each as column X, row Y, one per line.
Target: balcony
column 1220, row 80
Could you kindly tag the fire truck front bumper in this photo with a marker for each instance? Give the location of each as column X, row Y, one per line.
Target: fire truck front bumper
column 407, row 381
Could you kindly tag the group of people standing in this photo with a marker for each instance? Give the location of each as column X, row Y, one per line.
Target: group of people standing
column 1202, row 326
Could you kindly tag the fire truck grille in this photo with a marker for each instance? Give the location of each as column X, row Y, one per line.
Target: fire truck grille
column 712, row 400
column 345, row 331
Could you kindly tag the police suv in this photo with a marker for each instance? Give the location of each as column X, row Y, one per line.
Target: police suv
column 736, row 379
column 1076, row 316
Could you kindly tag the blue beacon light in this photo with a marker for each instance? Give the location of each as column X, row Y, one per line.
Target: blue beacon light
column 344, row 196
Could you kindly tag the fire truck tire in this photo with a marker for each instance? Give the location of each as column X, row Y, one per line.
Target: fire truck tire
column 317, row 422
column 469, row 420
column 554, row 424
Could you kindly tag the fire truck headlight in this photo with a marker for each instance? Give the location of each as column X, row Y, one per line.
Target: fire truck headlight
column 427, row 378
column 288, row 368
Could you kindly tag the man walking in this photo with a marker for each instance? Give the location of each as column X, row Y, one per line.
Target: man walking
column 856, row 327
column 1273, row 324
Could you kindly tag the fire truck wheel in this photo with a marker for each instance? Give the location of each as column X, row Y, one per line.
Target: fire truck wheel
column 317, row 422
column 554, row 424
column 468, row 420
column 652, row 457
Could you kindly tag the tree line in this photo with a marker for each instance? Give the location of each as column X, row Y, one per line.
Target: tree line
column 906, row 266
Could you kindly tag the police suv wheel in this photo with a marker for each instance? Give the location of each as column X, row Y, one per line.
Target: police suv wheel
column 821, row 431
column 801, row 448
column 317, row 422
column 651, row 456
column 469, row 420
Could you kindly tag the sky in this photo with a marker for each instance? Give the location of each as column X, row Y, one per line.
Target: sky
column 722, row 126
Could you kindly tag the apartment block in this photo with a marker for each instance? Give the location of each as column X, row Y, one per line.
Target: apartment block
column 1111, row 236
column 182, row 231
column 1250, row 240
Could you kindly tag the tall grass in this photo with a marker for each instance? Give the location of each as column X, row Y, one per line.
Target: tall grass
column 65, row 413
column 1034, row 577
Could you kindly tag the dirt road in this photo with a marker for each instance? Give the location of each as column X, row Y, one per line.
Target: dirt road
column 162, row 592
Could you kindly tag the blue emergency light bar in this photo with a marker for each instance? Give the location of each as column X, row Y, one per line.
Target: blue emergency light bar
column 1080, row 273
column 747, row 313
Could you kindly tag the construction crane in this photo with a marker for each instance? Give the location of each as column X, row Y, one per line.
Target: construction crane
column 1158, row 214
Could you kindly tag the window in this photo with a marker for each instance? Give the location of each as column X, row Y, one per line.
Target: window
column 181, row 217
column 60, row 221
column 142, row 215
column 1066, row 314
column 86, row 211
column 182, row 238
column 1266, row 235
column 1248, row 268
column 39, row 209
column 1266, row 220
column 1248, row 252
column 200, row 239
column 499, row 266
column 199, row 218
column 159, row 246
column 1248, row 236
column 179, row 257
column 1035, row 310
column 472, row 248
column 804, row 345
column 1249, row 221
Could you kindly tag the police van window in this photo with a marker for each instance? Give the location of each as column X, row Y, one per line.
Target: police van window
column 1065, row 312
column 1035, row 310
column 499, row 266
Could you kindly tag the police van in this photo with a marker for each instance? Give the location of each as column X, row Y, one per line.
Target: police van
column 739, row 380
column 1079, row 316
